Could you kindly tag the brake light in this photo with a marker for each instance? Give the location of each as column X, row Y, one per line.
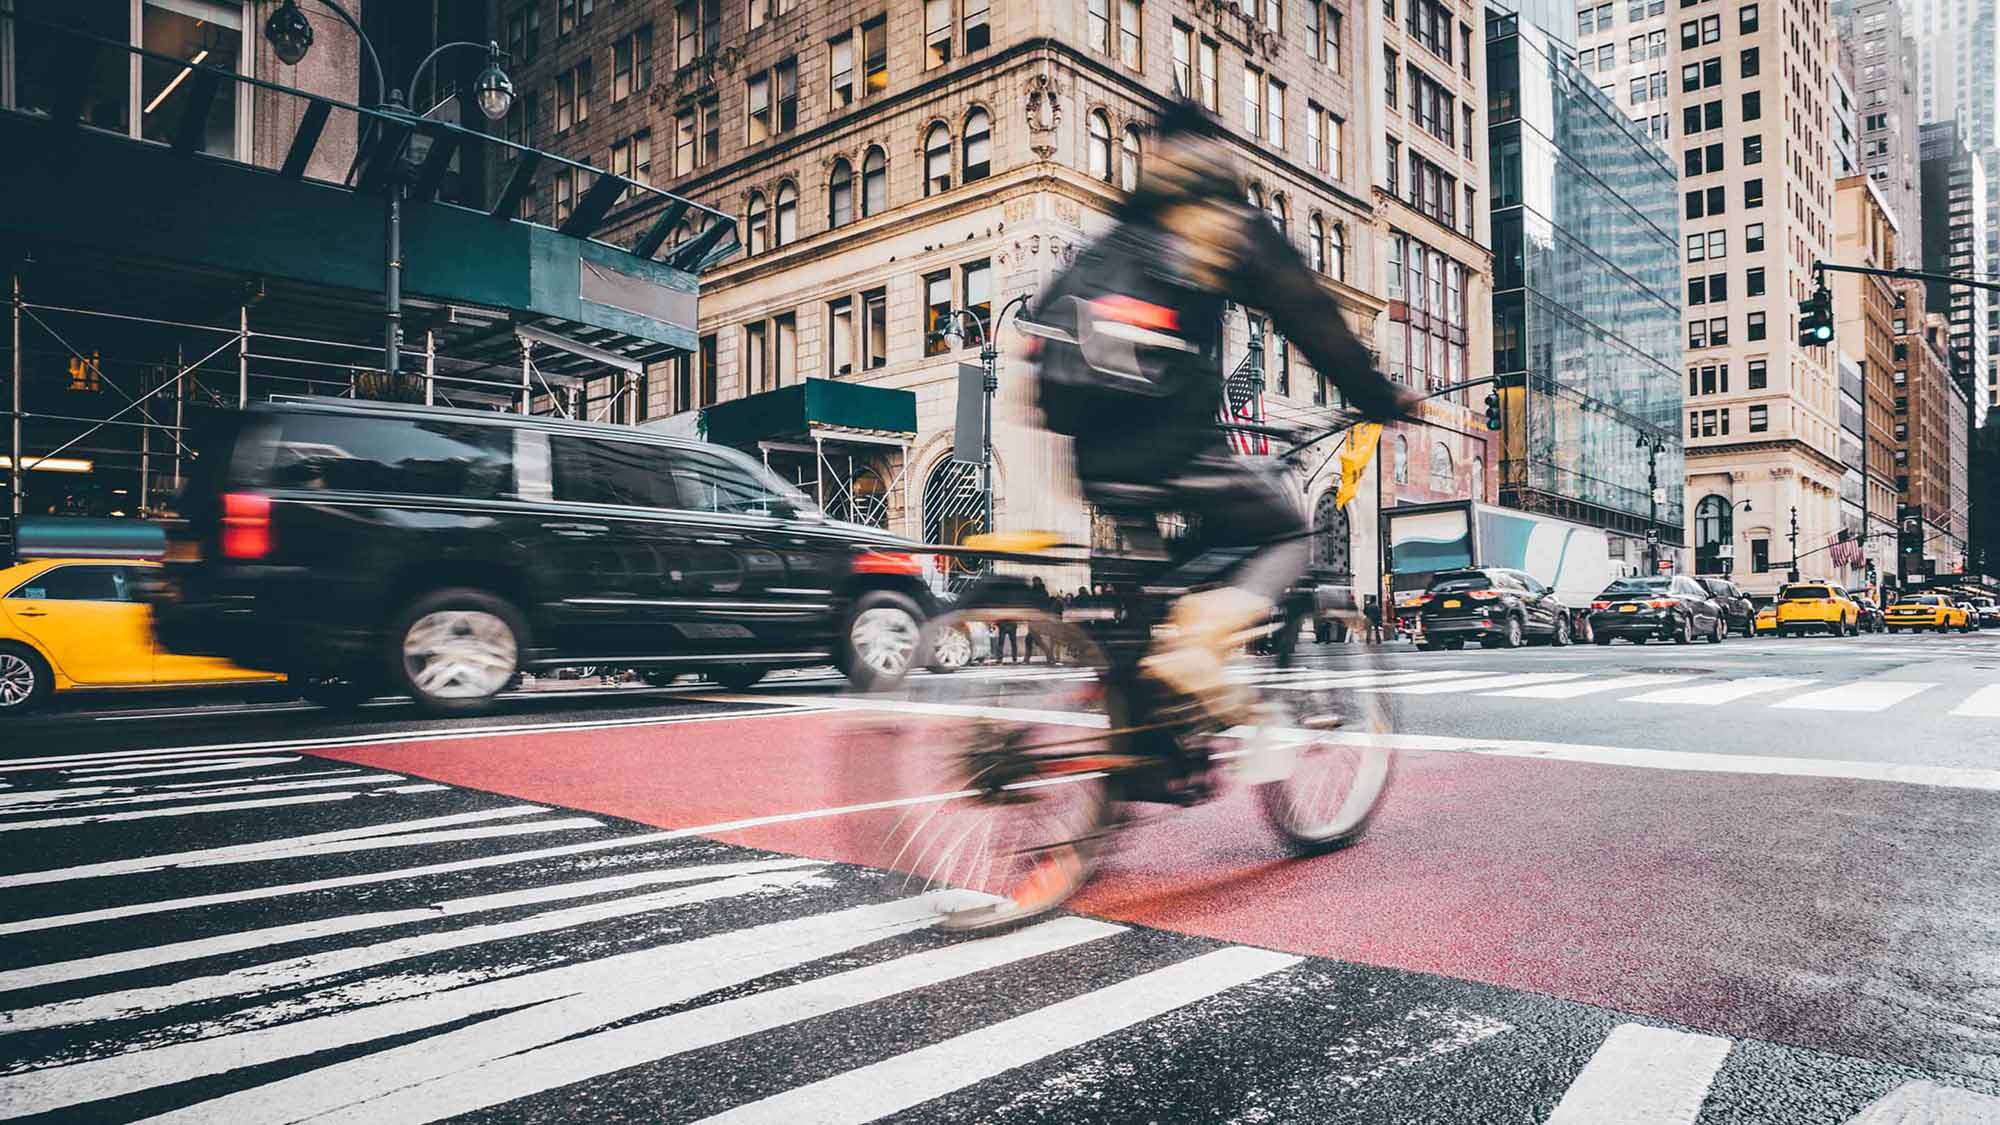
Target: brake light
column 889, row 562
column 1661, row 603
column 246, row 525
column 1484, row 595
column 1600, row 605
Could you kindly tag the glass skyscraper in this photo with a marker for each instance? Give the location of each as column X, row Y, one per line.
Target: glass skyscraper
column 1586, row 292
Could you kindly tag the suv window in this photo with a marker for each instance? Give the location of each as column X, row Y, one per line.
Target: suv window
column 596, row 471
column 1459, row 580
column 405, row 456
column 77, row 584
column 1638, row 586
column 708, row 482
column 1803, row 593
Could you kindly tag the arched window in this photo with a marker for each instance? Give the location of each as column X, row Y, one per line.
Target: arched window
column 1402, row 459
column 937, row 159
column 759, row 223
column 978, row 145
column 874, row 182
column 1337, row 253
column 954, row 507
column 683, row 232
column 786, row 230
column 1128, row 159
column 1099, row 152
column 1256, row 197
column 1714, row 520
column 1443, row 479
column 1316, row 235
column 1280, row 214
column 840, row 194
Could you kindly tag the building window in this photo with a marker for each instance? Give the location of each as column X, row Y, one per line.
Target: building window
column 840, row 337
column 1098, row 155
column 1748, row 62
column 756, row 359
column 1753, row 282
column 1760, row 549
column 1316, row 237
column 785, row 230
column 1760, row 420
column 1097, row 20
column 1753, row 193
column 977, row 30
column 1746, row 18
column 978, row 145
column 937, row 32
column 1131, row 29
column 1338, row 251
column 1718, row 331
column 1753, row 105
column 937, row 159
column 1183, row 47
column 875, row 328
column 1389, row 76
column 632, row 63
column 784, row 349
column 1274, row 99
column 875, row 55
column 1211, row 77
column 1253, row 101
column 1758, row 374
column 1753, row 238
column 1128, row 159
column 840, row 71
column 757, row 223
column 937, row 310
column 565, row 193
column 1756, row 326
column 711, row 129
column 1753, row 149
column 874, row 182
column 840, row 194
column 1443, row 479
column 976, row 286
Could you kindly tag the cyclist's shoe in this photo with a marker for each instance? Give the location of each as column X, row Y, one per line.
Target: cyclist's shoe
column 1191, row 663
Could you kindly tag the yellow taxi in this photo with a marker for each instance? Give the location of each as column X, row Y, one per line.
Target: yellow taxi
column 1926, row 611
column 1766, row 621
column 77, row 624
column 1817, row 607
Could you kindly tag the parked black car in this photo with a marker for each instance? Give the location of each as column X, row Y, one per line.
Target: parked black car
column 1499, row 608
column 1639, row 609
column 367, row 547
column 1737, row 609
column 1870, row 619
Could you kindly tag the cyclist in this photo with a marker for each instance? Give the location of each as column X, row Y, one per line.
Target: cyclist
column 1186, row 242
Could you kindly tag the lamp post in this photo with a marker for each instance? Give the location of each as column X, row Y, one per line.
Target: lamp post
column 1745, row 505
column 1653, row 447
column 290, row 35
column 989, row 362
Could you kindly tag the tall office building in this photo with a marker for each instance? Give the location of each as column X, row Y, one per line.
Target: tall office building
column 1749, row 97
column 1924, row 387
column 1586, row 304
column 1885, row 91
column 1865, row 328
column 1955, row 242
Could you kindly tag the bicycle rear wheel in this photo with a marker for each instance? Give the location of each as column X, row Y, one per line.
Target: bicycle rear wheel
column 1337, row 765
column 1020, row 768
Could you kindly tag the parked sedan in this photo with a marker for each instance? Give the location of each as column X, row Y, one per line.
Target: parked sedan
column 1988, row 610
column 1499, row 608
column 78, row 625
column 1737, row 608
column 1927, row 611
column 1640, row 609
column 1871, row 615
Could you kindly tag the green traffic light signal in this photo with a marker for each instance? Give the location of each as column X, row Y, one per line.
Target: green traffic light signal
column 1493, row 410
column 1816, row 319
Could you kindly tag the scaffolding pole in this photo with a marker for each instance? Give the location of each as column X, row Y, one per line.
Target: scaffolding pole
column 527, row 374
column 430, row 366
column 180, row 416
column 242, row 356
column 15, row 419
column 145, row 464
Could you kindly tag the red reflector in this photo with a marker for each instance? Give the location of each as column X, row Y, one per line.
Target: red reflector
column 246, row 525
column 1131, row 310
column 888, row 562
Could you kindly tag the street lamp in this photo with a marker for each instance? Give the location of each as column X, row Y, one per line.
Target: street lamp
column 1653, row 447
column 989, row 362
column 291, row 36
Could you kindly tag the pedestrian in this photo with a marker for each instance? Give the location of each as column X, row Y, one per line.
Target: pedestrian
column 1374, row 612
column 1007, row 646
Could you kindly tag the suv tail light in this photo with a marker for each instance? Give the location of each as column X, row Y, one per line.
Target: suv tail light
column 246, row 525
column 889, row 562
column 1483, row 595
column 1600, row 605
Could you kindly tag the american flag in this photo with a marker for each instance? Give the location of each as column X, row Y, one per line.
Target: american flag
column 1243, row 402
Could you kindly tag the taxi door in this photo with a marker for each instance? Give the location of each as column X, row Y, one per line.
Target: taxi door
column 86, row 617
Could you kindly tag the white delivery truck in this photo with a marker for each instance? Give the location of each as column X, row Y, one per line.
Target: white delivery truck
column 1426, row 539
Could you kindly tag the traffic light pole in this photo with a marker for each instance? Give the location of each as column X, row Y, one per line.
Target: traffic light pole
column 1820, row 268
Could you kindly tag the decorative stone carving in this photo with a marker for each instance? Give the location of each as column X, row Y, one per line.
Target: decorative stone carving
column 1043, row 105
column 1068, row 211
column 1019, row 210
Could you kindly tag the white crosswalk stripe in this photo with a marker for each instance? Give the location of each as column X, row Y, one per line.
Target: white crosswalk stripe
column 401, row 995
column 1714, row 692
column 1476, row 683
column 1862, row 695
column 1984, row 703
column 1578, row 688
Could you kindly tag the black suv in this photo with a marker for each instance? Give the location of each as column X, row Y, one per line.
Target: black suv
column 374, row 547
column 1497, row 607
column 1737, row 609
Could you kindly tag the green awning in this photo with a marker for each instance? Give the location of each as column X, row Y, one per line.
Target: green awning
column 816, row 407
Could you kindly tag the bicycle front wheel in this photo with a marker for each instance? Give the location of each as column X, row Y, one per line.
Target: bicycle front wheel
column 1018, row 766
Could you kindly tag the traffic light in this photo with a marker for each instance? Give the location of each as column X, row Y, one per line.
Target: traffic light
column 1911, row 538
column 1816, row 319
column 1493, row 410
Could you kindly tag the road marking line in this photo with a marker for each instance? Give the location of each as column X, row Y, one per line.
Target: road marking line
column 1981, row 704
column 1478, row 683
column 229, row 853
column 542, row 1007
column 769, row 708
column 1715, row 692
column 145, row 957
column 1588, row 687
column 425, row 787
column 200, row 794
column 288, row 775
column 292, row 972
column 96, row 773
column 911, row 1079
column 1643, row 1076
column 500, row 1080
column 193, row 810
column 1928, row 1103
column 1362, row 680
column 1860, row 695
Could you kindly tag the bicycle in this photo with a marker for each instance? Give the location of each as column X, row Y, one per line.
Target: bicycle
column 1026, row 801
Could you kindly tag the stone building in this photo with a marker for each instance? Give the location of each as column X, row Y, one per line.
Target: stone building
column 1924, row 388
column 1865, row 312
column 891, row 164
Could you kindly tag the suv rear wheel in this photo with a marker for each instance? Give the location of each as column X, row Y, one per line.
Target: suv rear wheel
column 455, row 649
column 881, row 639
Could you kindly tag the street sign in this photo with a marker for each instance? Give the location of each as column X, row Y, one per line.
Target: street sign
column 1659, row 496
column 1652, row 535
column 969, row 435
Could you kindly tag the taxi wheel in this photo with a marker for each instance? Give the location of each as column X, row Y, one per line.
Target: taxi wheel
column 25, row 679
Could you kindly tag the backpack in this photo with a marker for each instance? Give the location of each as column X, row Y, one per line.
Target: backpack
column 1108, row 333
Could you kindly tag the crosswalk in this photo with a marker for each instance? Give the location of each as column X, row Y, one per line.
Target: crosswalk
column 375, row 961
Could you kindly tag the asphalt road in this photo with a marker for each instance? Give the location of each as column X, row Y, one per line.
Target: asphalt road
column 1751, row 882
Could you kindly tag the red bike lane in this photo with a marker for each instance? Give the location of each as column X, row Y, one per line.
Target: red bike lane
column 1849, row 916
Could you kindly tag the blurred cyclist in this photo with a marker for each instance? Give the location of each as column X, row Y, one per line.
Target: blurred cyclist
column 1129, row 346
